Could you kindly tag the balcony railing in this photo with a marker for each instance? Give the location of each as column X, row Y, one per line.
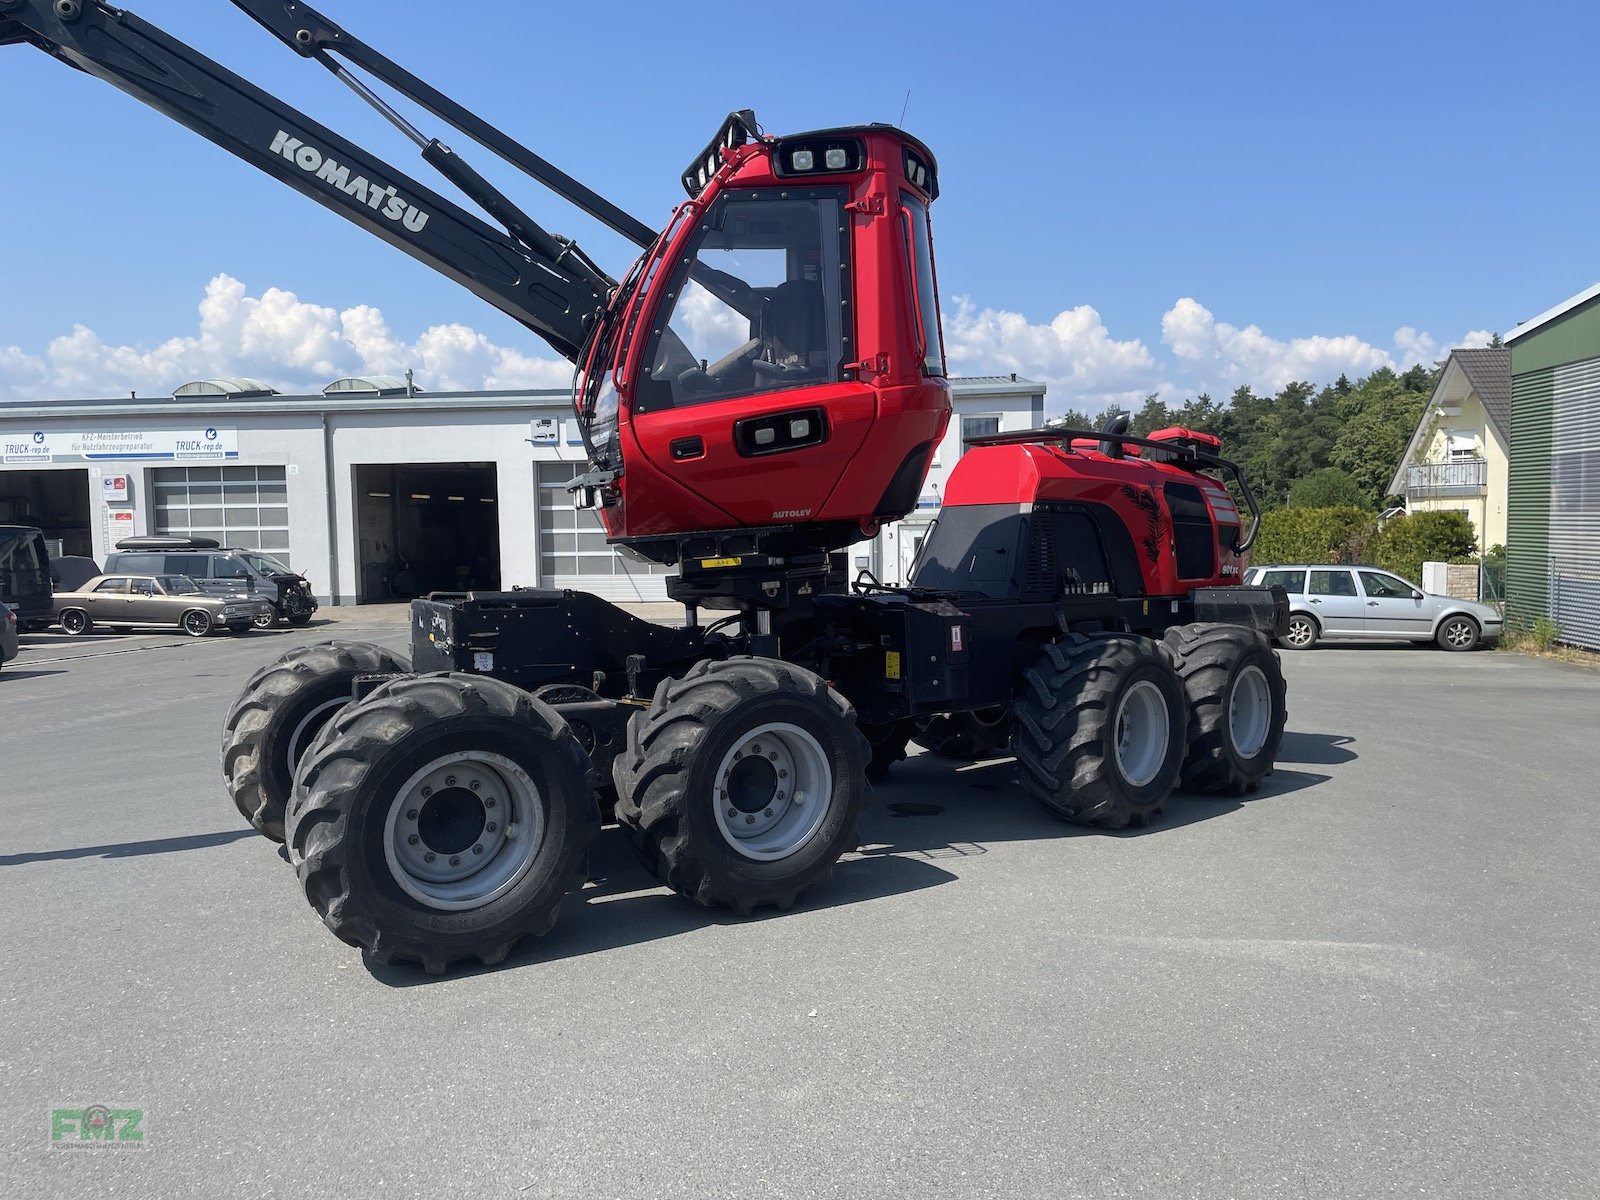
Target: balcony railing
column 1463, row 477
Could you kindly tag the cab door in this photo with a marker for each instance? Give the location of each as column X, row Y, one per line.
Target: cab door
column 744, row 398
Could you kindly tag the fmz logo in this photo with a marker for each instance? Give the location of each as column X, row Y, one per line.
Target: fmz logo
column 96, row 1127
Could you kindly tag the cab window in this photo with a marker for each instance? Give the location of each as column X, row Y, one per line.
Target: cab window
column 758, row 303
column 919, row 248
column 1332, row 583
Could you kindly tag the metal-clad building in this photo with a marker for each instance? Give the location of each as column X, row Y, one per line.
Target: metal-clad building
column 374, row 490
column 1553, row 533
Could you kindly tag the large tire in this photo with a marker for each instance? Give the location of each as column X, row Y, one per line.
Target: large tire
column 442, row 818
column 706, row 785
column 968, row 736
column 1234, row 684
column 1099, row 730
column 279, row 714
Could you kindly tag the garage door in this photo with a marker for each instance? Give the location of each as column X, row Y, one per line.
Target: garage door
column 238, row 506
column 573, row 551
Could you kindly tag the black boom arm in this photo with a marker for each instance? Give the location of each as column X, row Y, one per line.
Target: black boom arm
column 541, row 280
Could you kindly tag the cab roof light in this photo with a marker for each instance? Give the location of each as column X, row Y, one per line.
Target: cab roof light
column 819, row 156
column 919, row 174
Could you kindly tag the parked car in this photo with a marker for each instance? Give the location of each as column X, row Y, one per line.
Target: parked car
column 25, row 574
column 123, row 601
column 218, row 569
column 1372, row 605
column 70, row 572
column 9, row 645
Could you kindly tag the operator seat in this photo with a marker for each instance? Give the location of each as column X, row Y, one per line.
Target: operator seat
column 795, row 336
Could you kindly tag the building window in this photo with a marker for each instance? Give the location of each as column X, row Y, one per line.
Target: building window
column 236, row 506
column 979, row 425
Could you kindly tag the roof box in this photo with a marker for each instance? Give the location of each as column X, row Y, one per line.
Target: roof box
column 154, row 542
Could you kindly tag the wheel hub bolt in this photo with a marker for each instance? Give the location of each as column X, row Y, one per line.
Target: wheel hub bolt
column 455, row 860
column 755, row 749
column 477, row 849
column 767, row 813
column 783, row 774
column 491, row 827
column 733, row 812
column 411, row 814
column 413, row 840
column 475, row 785
column 773, row 756
column 489, row 802
column 426, row 792
column 780, row 797
column 429, row 857
column 749, row 820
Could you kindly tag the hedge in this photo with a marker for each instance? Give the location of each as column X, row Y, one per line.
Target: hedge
column 1353, row 535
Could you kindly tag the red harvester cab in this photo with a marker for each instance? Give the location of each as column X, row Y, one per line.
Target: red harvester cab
column 773, row 362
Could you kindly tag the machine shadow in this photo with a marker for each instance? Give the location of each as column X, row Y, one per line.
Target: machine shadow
column 623, row 905
column 923, row 815
column 172, row 845
column 1319, row 749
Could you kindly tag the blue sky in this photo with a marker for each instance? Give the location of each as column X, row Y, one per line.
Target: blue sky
column 1136, row 196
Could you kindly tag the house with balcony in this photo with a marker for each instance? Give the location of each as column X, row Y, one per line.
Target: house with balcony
column 1458, row 454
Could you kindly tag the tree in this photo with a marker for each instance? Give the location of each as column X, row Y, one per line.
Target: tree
column 1329, row 487
column 1152, row 416
column 1072, row 419
column 1376, row 419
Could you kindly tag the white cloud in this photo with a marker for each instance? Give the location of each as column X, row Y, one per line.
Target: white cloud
column 1228, row 355
column 297, row 346
column 276, row 337
column 1074, row 351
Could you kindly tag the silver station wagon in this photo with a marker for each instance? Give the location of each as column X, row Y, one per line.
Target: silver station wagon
column 1366, row 604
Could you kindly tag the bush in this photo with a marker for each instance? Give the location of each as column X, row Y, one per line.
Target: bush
column 1405, row 542
column 1545, row 633
column 1313, row 535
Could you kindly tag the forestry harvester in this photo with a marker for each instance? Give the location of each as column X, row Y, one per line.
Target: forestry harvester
column 764, row 387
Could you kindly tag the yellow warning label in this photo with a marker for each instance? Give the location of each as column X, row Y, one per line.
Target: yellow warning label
column 891, row 664
column 720, row 562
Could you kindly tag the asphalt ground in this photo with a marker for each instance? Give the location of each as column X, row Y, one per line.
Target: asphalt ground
column 1375, row 978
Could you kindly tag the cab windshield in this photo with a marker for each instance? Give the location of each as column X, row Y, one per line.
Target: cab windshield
column 756, row 304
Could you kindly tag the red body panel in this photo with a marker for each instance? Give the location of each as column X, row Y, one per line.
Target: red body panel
column 885, row 409
column 1130, row 487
